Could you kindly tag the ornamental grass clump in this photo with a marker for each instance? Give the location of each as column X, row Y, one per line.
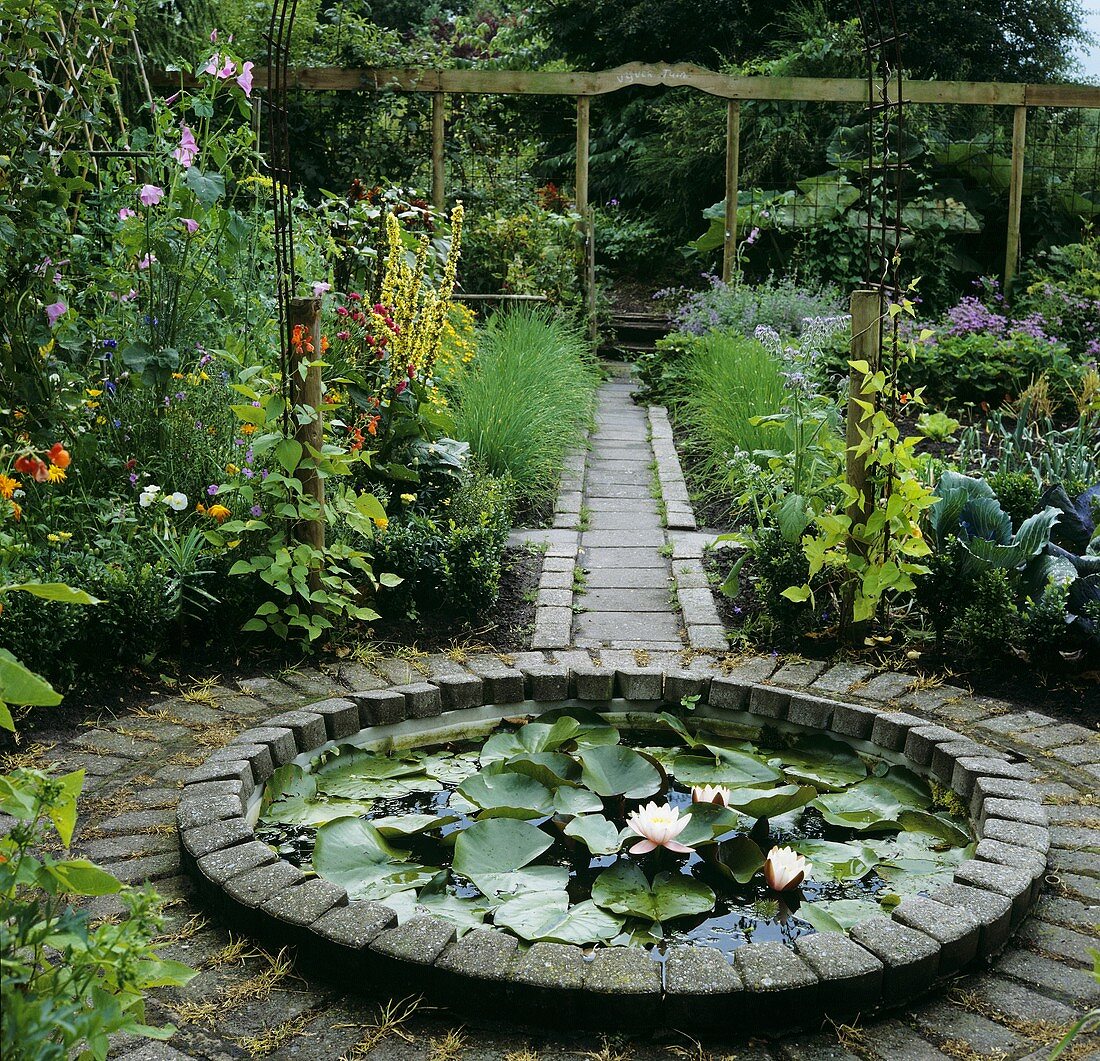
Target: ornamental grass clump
column 527, row 398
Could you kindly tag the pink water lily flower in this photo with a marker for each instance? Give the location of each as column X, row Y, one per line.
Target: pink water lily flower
column 188, row 150
column 245, row 79
column 150, row 194
column 54, row 311
column 190, row 224
column 658, row 827
column 785, row 869
column 711, row 794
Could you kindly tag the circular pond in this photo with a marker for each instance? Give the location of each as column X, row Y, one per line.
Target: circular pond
column 625, row 829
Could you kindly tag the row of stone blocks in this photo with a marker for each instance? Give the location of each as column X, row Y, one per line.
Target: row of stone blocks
column 880, row 963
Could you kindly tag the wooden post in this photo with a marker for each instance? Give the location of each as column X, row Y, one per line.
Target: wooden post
column 1015, row 194
column 588, row 224
column 439, row 110
column 867, row 310
column 305, row 396
column 733, row 169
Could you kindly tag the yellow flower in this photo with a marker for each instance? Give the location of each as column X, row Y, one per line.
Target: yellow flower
column 16, row 511
column 54, row 474
column 8, row 486
column 231, row 469
column 248, row 429
column 381, row 522
column 218, row 512
column 100, row 420
column 177, row 375
column 60, row 536
column 45, row 351
column 408, row 498
column 92, row 405
column 93, row 392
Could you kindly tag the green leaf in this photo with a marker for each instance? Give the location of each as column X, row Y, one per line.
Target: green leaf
column 532, row 738
column 351, row 852
column 935, row 825
column 62, row 811
column 78, row 876
column 55, row 591
column 547, row 916
column 22, row 687
column 600, row 836
column 550, row 768
column 288, row 452
column 522, row 881
column 572, row 801
column 726, row 766
column 821, row 761
column 874, row 804
column 624, row 889
column 771, row 802
column 707, row 823
column 838, row 915
column 611, row 770
column 849, row 861
column 740, row 858
column 509, row 795
column 411, row 824
column 497, row 845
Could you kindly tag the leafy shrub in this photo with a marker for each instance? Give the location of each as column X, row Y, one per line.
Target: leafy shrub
column 451, row 564
column 66, row 985
column 1017, row 492
column 527, row 397
column 780, row 563
column 988, row 621
column 81, row 649
column 625, row 241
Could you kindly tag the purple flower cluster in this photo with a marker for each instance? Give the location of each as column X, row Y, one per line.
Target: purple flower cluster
column 973, row 315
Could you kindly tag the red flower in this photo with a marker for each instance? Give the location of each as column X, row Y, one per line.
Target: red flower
column 35, row 467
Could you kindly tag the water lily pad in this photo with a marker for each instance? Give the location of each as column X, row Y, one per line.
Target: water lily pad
column 849, row 861
column 522, row 881
column 449, row 768
column 533, row 737
column 351, row 852
column 838, row 915
column 821, row 761
column 571, row 801
column 411, row 824
column 726, row 766
column 549, row 768
column 547, row 916
column 291, row 798
column 497, row 845
column 508, row 795
column 709, row 822
column 875, row 804
column 624, row 889
column 740, row 859
column 611, row 770
column 358, row 774
column 465, row 914
column 936, row 825
column 600, row 836
column 771, row 802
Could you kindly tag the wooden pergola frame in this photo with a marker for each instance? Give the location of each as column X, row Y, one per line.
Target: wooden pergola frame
column 585, row 84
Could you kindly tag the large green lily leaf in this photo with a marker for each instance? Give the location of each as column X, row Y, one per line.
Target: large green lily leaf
column 533, row 737
column 508, row 795
column 839, row 861
column 291, row 798
column 573, row 801
column 821, row 761
column 600, row 836
column 740, row 858
column 611, row 770
column 497, row 845
column 549, row 768
column 548, row 916
column 935, row 825
column 708, row 822
column 522, row 881
column 354, row 854
column 411, row 824
column 450, row 768
column 727, row 766
column 357, row 774
column 838, row 915
column 771, row 802
column 875, row 804
column 624, row 889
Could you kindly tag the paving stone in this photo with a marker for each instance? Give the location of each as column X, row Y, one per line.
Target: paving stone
column 546, row 682
column 1074, row 837
column 968, row 770
column 600, row 557
column 341, row 717
column 853, row 720
column 481, row 954
column 799, row 674
column 954, row 928
column 503, row 685
column 851, row 976
column 224, row 865
column 1010, row 855
column 1085, row 886
column 623, row 626
column 1014, row 810
column 702, row 636
column 258, row 756
column 379, row 707
column 621, row 971
column 1073, row 986
column 1068, row 912
column 552, row 965
column 945, row 755
column 205, row 809
column 116, row 848
column 651, row 576
column 696, row 970
column 224, row 768
column 1077, row 754
column 1077, row 862
column 680, row 683
column 910, row 957
column 106, row 742
column 151, row 867
column 356, row 924
column 309, row 681
column 1056, row 941
column 420, row 940
column 1058, row 736
column 156, row 1052
column 947, row 1023
column 460, row 692
column 257, row 886
column 729, row 693
column 921, row 741
column 840, row 677
column 593, row 683
column 308, row 728
column 1000, row 788
column 270, row 691
column 698, row 607
column 891, row 729
column 207, row 838
column 812, row 711
column 302, row 904
column 1034, row 836
column 885, row 687
column 1013, row 883
column 1017, row 1002
column 893, row 1041
column 653, row 598
column 422, row 699
column 279, row 740
column 768, row 701
column 140, row 821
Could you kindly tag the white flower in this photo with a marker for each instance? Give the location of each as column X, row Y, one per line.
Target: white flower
column 785, row 869
column 177, row 501
column 658, row 827
column 146, row 499
column 711, row 794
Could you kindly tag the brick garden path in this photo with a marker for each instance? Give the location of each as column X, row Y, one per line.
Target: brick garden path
column 247, row 1003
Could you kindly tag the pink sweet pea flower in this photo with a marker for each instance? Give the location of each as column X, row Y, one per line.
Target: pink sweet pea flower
column 188, row 150
column 213, row 36
column 190, row 224
column 212, row 66
column 150, row 194
column 658, row 827
column 126, row 212
column 245, row 80
column 54, row 311
column 228, row 70
column 148, row 260
column 320, row 287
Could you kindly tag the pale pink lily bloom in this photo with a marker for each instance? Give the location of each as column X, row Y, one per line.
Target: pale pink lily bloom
column 711, row 794
column 150, row 194
column 54, row 311
column 785, row 869
column 188, row 150
column 245, row 80
column 126, row 212
column 658, row 827
column 190, row 224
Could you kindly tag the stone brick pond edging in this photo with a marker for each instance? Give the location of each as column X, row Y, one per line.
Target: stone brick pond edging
column 879, row 965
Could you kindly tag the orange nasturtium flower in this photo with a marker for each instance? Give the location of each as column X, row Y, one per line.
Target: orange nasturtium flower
column 8, row 486
column 218, row 512
column 59, row 456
